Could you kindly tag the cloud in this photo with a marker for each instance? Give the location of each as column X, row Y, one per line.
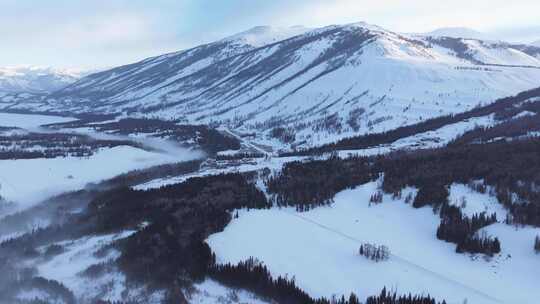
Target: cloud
column 94, row 31
column 86, row 33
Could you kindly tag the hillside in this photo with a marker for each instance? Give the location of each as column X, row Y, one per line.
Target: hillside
column 507, row 118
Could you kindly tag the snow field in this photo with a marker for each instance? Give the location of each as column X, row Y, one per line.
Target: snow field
column 211, row 292
column 319, row 249
column 77, row 257
column 28, row 121
column 26, row 182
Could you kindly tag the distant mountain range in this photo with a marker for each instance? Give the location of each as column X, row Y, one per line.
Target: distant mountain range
column 320, row 84
column 31, row 79
column 460, row 32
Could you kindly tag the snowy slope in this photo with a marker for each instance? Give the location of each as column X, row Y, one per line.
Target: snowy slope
column 326, row 83
column 319, row 248
column 536, row 43
column 80, row 254
column 69, row 266
column 260, row 36
column 113, row 286
column 211, row 292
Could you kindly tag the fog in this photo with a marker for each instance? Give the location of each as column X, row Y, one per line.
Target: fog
column 32, row 189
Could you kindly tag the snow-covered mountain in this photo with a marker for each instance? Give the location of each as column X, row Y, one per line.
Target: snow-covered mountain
column 31, row 79
column 536, row 43
column 459, row 32
column 321, row 84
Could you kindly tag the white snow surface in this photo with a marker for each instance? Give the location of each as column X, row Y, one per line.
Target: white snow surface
column 30, row 121
column 25, row 183
column 28, row 181
column 319, row 248
column 473, row 202
column 212, row 292
column 79, row 255
column 223, row 167
column 33, row 294
column 426, row 140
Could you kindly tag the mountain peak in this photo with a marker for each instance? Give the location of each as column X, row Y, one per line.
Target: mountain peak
column 263, row 35
column 366, row 25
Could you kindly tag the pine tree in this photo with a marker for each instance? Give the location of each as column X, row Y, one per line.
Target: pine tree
column 353, row 299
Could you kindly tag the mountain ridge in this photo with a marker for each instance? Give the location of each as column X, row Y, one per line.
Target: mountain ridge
column 322, row 85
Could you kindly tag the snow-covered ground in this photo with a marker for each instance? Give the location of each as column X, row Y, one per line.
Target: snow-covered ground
column 26, row 182
column 29, row 121
column 426, row 140
column 78, row 256
column 223, row 167
column 211, row 292
column 319, row 248
column 472, row 202
column 442, row 136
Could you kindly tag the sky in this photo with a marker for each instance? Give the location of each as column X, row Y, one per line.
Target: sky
column 105, row 33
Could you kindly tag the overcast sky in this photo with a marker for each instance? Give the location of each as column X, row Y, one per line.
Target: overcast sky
column 101, row 33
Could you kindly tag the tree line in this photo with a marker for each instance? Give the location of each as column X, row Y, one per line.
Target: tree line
column 55, row 145
column 207, row 138
column 386, row 297
column 306, row 186
column 255, row 277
